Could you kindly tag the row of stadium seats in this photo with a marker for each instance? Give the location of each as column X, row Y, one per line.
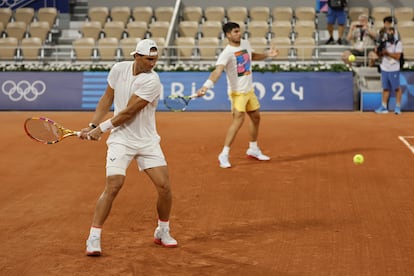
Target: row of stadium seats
column 185, row 48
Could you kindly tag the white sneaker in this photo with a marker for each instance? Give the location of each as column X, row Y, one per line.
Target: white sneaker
column 93, row 246
column 162, row 237
column 224, row 161
column 257, row 154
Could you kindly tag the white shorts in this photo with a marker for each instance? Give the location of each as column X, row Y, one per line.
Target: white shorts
column 119, row 157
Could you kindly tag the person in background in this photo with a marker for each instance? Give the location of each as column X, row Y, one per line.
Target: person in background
column 336, row 13
column 236, row 59
column 388, row 21
column 390, row 52
column 362, row 37
column 133, row 89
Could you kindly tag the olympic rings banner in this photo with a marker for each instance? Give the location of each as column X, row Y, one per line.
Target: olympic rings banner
column 82, row 90
column 40, row 91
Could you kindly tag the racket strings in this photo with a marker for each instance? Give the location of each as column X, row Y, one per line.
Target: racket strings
column 176, row 103
column 43, row 130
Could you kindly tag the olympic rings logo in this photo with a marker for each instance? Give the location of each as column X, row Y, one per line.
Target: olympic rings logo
column 9, row 3
column 23, row 89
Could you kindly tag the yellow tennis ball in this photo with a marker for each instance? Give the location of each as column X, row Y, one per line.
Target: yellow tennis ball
column 358, row 159
column 351, row 58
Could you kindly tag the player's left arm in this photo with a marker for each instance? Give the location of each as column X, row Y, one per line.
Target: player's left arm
column 271, row 53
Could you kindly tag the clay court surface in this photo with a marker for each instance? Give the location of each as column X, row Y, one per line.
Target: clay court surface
column 308, row 211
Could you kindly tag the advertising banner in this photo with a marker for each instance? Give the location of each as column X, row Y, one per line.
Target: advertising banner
column 288, row 91
column 40, row 91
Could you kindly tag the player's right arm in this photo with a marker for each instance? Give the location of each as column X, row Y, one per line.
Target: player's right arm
column 212, row 79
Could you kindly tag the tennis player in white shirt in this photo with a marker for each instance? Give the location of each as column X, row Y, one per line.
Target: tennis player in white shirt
column 235, row 60
column 134, row 90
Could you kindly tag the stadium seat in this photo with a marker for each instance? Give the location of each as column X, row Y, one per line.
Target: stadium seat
column 282, row 14
column 404, row 13
column 260, row 13
column 355, row 12
column 305, row 28
column 409, row 49
column 304, row 48
column 16, row 29
column 378, row 13
column 25, row 15
column 144, row 13
column 160, row 41
column 159, row 28
column 237, row 13
column 91, row 29
column 40, row 29
column 8, row 46
column 83, row 49
column 211, row 28
column 208, row 48
column 193, row 13
column 258, row 28
column 31, row 48
column 6, row 14
column 127, row 45
column 185, row 47
column 259, row 44
column 283, row 44
column 108, row 49
column 163, row 13
column 188, row 28
column 49, row 15
column 214, row 13
column 406, row 29
column 114, row 29
column 1, row 29
column 282, row 28
column 137, row 29
column 305, row 13
column 121, row 13
column 99, row 14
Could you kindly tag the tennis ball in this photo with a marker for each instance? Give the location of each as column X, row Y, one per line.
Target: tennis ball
column 351, row 58
column 358, row 159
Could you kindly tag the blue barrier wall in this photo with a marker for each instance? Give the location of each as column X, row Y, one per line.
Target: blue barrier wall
column 288, row 91
column 371, row 100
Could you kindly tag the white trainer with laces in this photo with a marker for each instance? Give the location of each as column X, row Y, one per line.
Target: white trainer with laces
column 162, row 237
column 257, row 154
column 93, row 246
column 224, row 161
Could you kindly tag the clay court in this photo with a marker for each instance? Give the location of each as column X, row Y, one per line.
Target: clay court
column 308, row 211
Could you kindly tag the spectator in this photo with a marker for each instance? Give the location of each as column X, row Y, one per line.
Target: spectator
column 336, row 13
column 390, row 51
column 389, row 21
column 362, row 37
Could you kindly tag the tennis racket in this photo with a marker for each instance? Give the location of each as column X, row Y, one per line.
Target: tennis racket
column 46, row 131
column 178, row 103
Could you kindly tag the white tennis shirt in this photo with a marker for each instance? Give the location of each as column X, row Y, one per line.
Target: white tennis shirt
column 389, row 64
column 141, row 129
column 237, row 62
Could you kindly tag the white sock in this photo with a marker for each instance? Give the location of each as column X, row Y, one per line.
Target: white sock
column 95, row 232
column 253, row 145
column 226, row 150
column 163, row 224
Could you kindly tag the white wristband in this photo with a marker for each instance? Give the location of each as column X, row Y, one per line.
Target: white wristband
column 106, row 125
column 209, row 83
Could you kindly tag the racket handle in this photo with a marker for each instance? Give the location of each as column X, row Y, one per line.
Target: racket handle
column 78, row 133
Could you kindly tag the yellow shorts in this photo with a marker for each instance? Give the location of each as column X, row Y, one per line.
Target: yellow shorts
column 243, row 102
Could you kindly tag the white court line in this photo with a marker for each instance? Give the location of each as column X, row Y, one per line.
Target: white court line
column 404, row 140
